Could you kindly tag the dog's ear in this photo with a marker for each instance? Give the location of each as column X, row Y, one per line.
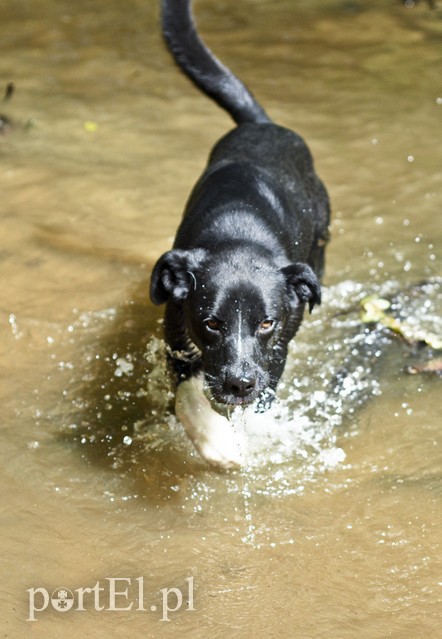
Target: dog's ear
column 302, row 281
column 173, row 275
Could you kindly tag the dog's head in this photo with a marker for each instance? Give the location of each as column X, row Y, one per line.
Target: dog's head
column 240, row 311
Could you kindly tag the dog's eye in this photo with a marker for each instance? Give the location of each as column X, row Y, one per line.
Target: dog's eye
column 213, row 324
column 266, row 326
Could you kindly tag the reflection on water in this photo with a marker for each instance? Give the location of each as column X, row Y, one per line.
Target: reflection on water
column 333, row 527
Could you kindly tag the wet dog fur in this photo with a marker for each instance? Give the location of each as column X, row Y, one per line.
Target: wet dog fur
column 248, row 255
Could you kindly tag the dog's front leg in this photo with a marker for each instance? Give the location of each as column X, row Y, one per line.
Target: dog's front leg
column 214, row 436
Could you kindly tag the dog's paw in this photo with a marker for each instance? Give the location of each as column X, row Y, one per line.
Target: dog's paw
column 217, row 440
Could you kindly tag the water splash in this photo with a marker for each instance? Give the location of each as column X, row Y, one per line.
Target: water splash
column 123, row 401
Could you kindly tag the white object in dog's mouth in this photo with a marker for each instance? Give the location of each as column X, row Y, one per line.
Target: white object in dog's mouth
column 219, row 441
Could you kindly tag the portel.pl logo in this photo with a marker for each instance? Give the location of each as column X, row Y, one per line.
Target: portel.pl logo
column 115, row 594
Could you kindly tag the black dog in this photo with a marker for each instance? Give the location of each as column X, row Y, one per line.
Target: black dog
column 247, row 256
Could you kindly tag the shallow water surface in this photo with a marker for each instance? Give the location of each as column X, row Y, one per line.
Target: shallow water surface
column 333, row 529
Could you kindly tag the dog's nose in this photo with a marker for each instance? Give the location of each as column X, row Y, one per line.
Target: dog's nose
column 240, row 386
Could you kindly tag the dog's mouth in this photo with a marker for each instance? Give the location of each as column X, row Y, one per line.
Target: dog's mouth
column 222, row 401
column 232, row 400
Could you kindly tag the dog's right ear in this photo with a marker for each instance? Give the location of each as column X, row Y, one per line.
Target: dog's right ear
column 174, row 275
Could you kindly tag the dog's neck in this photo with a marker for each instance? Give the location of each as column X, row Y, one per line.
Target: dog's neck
column 184, row 354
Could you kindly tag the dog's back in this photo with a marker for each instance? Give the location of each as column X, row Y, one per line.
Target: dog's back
column 268, row 169
column 279, row 161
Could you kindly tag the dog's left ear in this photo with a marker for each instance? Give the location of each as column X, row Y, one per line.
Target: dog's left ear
column 174, row 275
column 302, row 280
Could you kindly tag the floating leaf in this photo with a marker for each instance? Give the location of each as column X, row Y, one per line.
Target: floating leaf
column 90, row 126
column 373, row 311
column 373, row 308
column 433, row 366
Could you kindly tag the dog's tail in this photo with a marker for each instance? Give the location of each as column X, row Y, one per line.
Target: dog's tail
column 203, row 68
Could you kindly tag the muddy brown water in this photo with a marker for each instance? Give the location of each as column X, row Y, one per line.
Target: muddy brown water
column 334, row 528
